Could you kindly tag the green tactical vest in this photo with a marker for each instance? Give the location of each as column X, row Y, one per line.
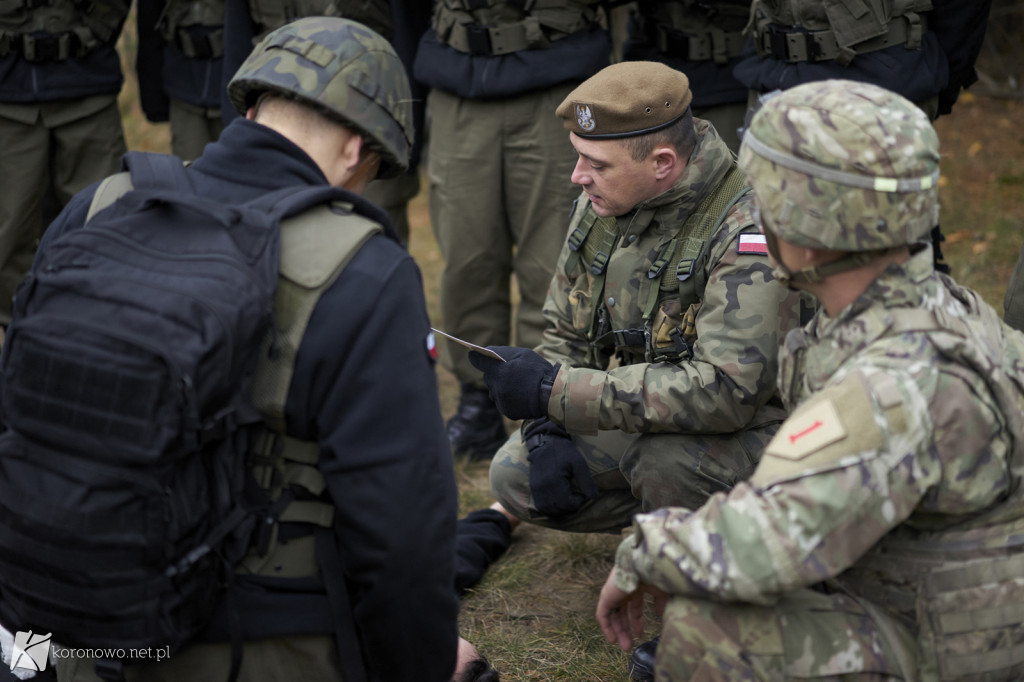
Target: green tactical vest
column 694, row 31
column 679, row 271
column 55, row 30
column 495, row 27
column 181, row 15
column 960, row 581
column 816, row 30
column 273, row 14
column 315, row 247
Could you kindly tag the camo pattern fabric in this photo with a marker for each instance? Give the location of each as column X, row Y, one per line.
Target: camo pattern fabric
column 811, row 129
column 342, row 68
column 735, row 334
column 896, row 478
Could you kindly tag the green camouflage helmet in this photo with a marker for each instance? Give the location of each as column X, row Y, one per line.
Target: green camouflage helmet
column 843, row 165
column 344, row 70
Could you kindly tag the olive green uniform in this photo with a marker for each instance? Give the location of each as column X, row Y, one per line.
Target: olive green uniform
column 60, row 126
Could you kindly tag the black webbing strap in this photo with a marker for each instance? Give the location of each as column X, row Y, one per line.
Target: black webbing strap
column 350, row 657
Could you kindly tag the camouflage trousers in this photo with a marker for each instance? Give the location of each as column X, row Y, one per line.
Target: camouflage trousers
column 307, row 658
column 806, row 635
column 634, row 473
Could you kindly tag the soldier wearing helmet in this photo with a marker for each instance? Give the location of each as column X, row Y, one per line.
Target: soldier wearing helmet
column 879, row 536
column 326, row 102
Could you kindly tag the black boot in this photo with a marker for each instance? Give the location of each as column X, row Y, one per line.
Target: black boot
column 477, row 429
column 641, row 663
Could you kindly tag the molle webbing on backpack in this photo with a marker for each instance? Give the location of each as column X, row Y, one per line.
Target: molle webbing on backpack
column 495, row 27
column 181, row 18
column 315, row 247
column 58, row 29
column 811, row 31
column 273, row 14
column 695, row 31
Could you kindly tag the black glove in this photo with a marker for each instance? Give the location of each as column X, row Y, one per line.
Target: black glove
column 521, row 385
column 560, row 480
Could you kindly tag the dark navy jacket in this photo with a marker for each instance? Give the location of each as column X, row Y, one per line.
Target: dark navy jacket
column 365, row 389
column 97, row 73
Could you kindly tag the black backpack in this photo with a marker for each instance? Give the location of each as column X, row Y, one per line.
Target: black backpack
column 125, row 501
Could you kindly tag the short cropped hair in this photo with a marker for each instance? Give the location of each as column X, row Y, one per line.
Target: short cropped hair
column 681, row 136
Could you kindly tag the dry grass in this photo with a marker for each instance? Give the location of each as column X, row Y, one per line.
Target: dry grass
column 532, row 615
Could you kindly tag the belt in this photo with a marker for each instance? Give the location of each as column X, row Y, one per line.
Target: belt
column 791, row 44
column 695, row 47
column 42, row 47
column 199, row 45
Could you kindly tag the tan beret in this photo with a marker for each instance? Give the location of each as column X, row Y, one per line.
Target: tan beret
column 626, row 99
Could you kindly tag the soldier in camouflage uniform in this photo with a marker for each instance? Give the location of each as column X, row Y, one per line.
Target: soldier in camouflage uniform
column 663, row 272
column 880, row 536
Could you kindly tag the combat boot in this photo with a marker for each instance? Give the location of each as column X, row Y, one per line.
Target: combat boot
column 477, row 429
column 641, row 663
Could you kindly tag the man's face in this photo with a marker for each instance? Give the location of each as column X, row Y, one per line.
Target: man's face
column 611, row 178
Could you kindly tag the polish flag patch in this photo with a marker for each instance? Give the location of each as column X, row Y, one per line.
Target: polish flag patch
column 752, row 243
column 432, row 347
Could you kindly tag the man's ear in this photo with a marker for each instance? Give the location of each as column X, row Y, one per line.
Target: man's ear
column 666, row 161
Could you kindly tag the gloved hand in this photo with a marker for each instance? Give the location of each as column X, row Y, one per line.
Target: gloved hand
column 560, row 480
column 521, row 385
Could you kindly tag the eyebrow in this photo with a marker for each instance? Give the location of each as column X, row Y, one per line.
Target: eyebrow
column 590, row 158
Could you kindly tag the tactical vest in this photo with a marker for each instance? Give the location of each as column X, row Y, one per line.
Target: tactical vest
column 694, row 31
column 496, row 27
column 315, row 247
column 194, row 27
column 963, row 582
column 814, row 31
column 677, row 272
column 273, row 14
column 55, row 30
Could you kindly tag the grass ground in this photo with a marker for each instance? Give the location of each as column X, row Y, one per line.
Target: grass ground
column 533, row 613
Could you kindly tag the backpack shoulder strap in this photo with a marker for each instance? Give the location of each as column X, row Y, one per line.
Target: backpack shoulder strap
column 316, row 245
column 140, row 169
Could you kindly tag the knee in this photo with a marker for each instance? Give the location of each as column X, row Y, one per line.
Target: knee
column 510, row 476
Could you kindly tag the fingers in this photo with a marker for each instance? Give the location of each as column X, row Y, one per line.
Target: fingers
column 612, row 608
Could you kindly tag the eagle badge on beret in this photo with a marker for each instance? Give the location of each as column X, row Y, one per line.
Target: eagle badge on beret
column 584, row 118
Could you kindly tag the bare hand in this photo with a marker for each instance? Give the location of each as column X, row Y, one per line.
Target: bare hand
column 620, row 614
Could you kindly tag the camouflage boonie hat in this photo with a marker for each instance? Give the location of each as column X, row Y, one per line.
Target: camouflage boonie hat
column 344, row 70
column 625, row 100
column 843, row 165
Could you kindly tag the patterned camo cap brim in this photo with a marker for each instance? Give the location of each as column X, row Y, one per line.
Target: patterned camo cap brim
column 843, row 165
column 342, row 68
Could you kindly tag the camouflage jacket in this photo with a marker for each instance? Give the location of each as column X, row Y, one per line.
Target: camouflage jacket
column 734, row 330
column 895, row 444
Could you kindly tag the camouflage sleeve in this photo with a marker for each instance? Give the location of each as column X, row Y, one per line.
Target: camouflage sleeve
column 740, row 325
column 561, row 342
column 848, row 466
